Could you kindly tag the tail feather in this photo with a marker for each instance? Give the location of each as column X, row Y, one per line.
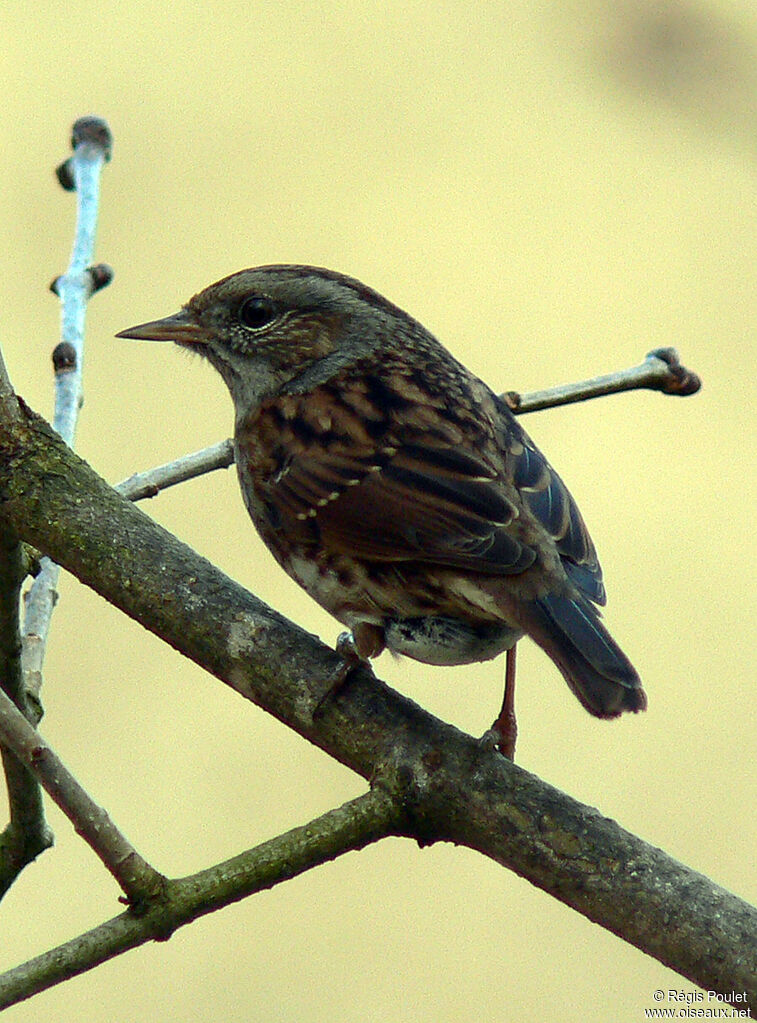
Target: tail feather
column 596, row 669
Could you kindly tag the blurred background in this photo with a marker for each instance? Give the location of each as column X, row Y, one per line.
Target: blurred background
column 554, row 190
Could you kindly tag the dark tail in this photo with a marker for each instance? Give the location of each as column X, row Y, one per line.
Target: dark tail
column 594, row 666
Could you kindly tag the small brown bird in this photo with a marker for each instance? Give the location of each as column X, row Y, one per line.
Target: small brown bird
column 396, row 487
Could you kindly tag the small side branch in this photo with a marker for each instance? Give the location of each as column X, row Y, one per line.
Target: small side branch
column 138, row 880
column 91, row 142
column 660, row 371
column 350, row 827
column 151, row 482
column 27, row 834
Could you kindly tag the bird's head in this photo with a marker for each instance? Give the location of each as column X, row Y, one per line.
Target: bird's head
column 284, row 327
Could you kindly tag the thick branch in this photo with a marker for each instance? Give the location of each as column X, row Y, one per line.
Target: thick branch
column 449, row 786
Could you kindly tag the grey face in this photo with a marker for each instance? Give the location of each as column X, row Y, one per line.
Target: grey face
column 281, row 328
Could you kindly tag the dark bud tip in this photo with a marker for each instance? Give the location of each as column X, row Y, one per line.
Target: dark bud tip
column 667, row 355
column 101, row 275
column 65, row 177
column 680, row 381
column 54, row 285
column 95, row 131
column 512, row 400
column 64, row 357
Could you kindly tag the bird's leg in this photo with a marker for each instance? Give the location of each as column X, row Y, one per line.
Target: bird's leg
column 506, row 727
column 355, row 648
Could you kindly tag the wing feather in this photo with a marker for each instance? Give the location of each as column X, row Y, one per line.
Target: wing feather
column 544, row 492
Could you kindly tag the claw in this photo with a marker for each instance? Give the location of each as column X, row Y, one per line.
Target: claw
column 346, row 647
column 505, row 732
column 354, row 648
column 490, row 741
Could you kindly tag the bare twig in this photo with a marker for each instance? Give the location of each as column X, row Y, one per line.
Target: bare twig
column 91, row 142
column 138, row 880
column 6, row 388
column 660, row 371
column 353, row 826
column 151, row 482
column 27, row 833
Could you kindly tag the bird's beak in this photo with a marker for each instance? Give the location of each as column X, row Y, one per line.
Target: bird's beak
column 182, row 328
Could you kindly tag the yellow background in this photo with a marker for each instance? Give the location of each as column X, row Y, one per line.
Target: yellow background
column 553, row 189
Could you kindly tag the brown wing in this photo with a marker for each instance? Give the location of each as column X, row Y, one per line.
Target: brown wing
column 549, row 499
column 422, row 500
column 359, row 475
column 413, row 503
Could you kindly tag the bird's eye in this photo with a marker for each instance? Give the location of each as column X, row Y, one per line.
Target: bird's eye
column 256, row 312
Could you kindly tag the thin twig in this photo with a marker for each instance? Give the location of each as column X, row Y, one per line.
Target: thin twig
column 6, row 388
column 151, row 482
column 91, row 142
column 137, row 878
column 660, row 371
column 27, row 833
column 353, row 826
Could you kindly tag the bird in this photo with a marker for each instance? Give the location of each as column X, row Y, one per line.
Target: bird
column 395, row 486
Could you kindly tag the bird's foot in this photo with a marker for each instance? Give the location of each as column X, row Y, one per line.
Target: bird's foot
column 355, row 648
column 501, row 737
column 503, row 734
